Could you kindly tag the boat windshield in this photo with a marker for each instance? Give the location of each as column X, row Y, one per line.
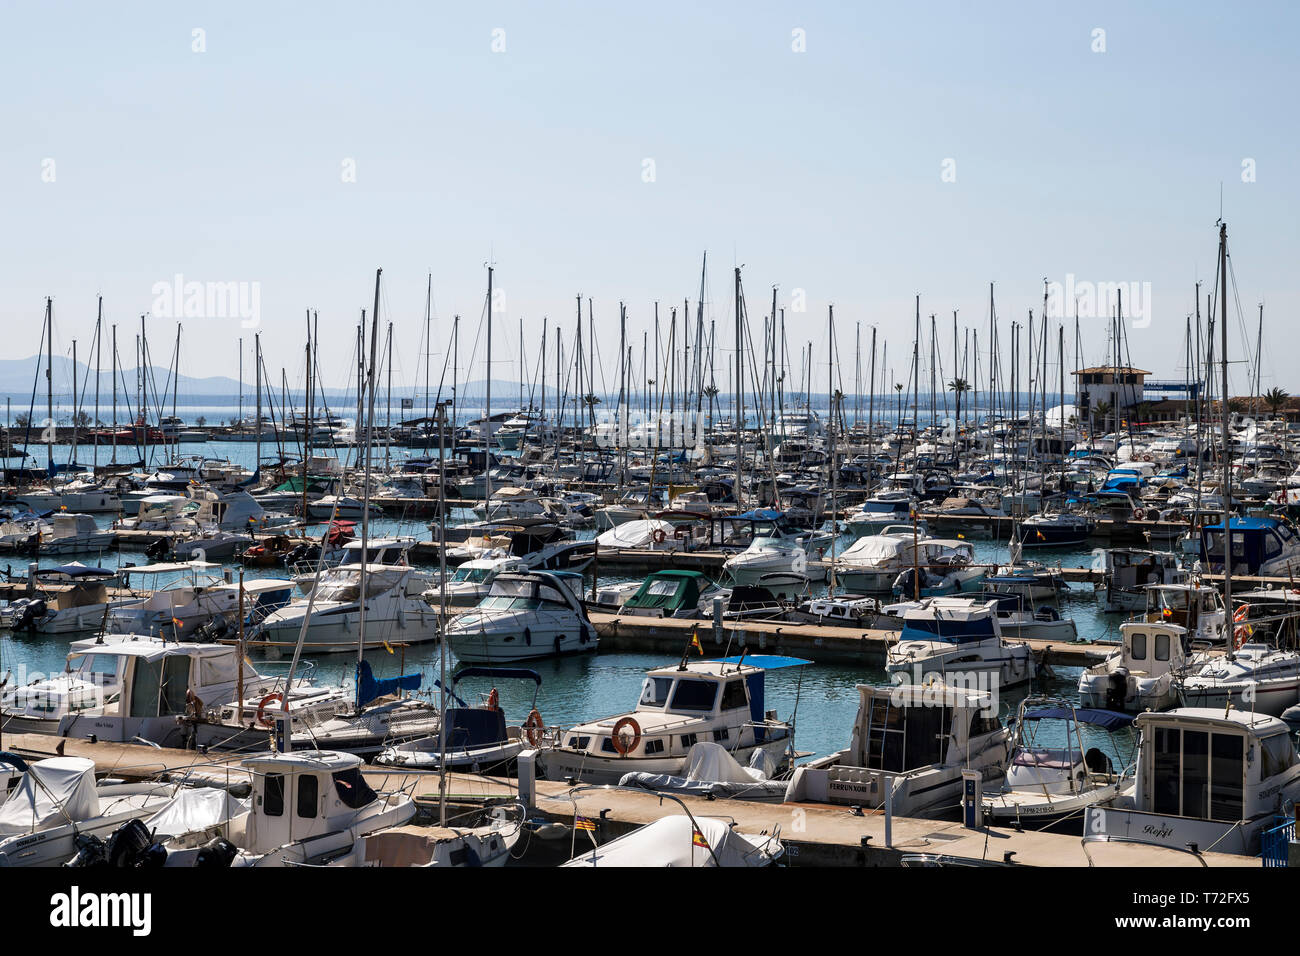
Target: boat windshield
column 472, row 575
column 694, row 695
column 654, row 692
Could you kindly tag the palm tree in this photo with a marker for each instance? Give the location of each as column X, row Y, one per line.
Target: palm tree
column 712, row 392
column 959, row 385
column 1103, row 409
column 1275, row 398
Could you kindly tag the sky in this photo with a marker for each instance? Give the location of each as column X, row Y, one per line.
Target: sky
column 849, row 154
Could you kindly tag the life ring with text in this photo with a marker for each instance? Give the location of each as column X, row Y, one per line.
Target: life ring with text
column 262, row 717
column 621, row 743
column 533, row 727
column 659, row 536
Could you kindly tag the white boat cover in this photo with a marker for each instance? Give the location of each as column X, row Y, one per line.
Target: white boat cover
column 711, row 769
column 635, row 534
column 52, row 792
column 193, row 810
column 874, row 549
column 670, row 841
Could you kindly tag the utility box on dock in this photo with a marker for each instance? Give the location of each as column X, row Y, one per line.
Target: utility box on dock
column 971, row 783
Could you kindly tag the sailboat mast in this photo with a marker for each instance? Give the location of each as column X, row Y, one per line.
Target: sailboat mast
column 1226, row 451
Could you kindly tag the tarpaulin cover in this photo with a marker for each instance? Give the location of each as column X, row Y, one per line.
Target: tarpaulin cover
column 368, row 688
column 670, row 841
column 1105, row 719
column 51, row 793
column 634, row 534
column 193, row 810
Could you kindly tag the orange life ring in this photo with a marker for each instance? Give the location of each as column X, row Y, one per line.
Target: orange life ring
column 494, row 700
column 616, row 736
column 659, row 536
column 261, row 709
column 533, row 727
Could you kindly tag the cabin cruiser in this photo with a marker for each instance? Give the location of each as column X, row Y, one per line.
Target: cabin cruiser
column 717, row 700
column 525, row 616
column 956, row 638
column 472, row 581
column 939, row 567
column 654, row 534
column 674, row 593
column 395, row 611
column 176, row 609
column 81, row 494
column 124, row 687
column 329, row 507
column 57, row 803
column 1207, row 780
column 1050, row 782
column 1020, row 614
column 74, row 533
column 1261, row 546
column 917, row 737
column 540, row 542
column 1053, row 530
column 474, row 738
column 767, row 555
column 871, row 564
column 1256, row 675
column 1143, row 672
column 886, row 508
column 1129, row 572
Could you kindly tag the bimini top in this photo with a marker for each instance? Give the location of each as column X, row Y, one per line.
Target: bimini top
column 1105, row 719
column 1247, row 524
column 767, row 662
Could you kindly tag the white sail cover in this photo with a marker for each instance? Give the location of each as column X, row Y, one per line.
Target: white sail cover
column 670, row 841
column 52, row 793
column 193, row 810
column 635, row 534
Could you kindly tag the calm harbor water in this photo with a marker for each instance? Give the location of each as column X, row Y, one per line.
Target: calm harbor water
column 822, row 696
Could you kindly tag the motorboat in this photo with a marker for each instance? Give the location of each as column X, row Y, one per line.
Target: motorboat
column 395, row 611
column 1261, row 546
column 75, row 534
column 1128, row 572
column 1208, row 780
column 525, row 616
column 872, row 563
column 956, row 639
column 912, row 741
column 1143, row 672
column 70, row 598
column 1053, row 530
column 474, row 738
column 472, row 581
column 1055, row 774
column 1021, row 615
column 57, row 803
column 673, row 593
column 714, row 700
column 879, row 511
column 940, row 567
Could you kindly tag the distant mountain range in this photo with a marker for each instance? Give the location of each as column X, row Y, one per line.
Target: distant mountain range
column 18, row 376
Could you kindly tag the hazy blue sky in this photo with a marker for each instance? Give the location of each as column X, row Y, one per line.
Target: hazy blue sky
column 819, row 170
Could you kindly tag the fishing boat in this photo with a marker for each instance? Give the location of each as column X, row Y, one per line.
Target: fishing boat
column 717, row 700
column 1128, row 572
column 1142, row 673
column 911, row 741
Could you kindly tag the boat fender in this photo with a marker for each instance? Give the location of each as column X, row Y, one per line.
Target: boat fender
column 558, row 639
column 528, row 636
column 583, row 634
column 494, row 700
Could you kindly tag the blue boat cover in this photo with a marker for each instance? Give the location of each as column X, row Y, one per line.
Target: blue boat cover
column 1105, row 719
column 368, row 688
column 769, row 662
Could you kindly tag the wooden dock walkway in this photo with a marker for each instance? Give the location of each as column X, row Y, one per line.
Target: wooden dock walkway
column 814, row 834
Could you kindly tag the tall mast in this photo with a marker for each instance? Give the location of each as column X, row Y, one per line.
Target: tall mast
column 1227, row 448
column 740, row 393
column 365, row 491
column 487, row 408
column 99, row 342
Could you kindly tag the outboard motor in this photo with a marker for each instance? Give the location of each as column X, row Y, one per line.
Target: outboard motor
column 90, row 851
column 218, row 853
column 31, row 612
column 1117, row 689
column 158, row 550
column 129, row 844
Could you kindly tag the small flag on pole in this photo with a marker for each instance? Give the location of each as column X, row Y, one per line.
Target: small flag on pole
column 388, row 647
column 584, row 823
column 695, row 642
column 697, row 838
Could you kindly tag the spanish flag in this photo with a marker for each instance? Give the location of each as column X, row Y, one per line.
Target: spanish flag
column 695, row 642
column 177, row 623
column 697, row 838
column 1040, row 536
column 388, row 647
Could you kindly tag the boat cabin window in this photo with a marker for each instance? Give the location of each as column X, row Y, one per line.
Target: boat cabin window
column 654, row 692
column 1162, row 647
column 90, row 665
column 981, row 724
column 510, row 595
column 901, row 739
column 352, row 789
column 273, row 795
column 547, row 593
column 734, row 696
column 1279, row 754
column 696, row 695
column 472, row 575
column 308, row 795
column 1197, row 773
column 1137, row 647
